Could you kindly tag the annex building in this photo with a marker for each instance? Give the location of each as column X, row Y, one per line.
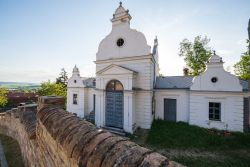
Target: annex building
column 128, row 91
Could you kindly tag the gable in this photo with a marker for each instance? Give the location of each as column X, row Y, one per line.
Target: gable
column 224, row 81
column 135, row 44
column 115, row 70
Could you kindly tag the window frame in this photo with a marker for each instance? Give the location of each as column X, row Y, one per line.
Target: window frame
column 75, row 98
column 120, row 42
column 216, row 111
column 114, row 85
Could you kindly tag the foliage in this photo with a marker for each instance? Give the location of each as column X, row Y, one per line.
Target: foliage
column 242, row 68
column 52, row 89
column 3, row 97
column 63, row 77
column 195, row 54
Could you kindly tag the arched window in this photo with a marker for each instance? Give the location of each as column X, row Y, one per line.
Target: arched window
column 114, row 85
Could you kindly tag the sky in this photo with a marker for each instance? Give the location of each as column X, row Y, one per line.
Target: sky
column 39, row 37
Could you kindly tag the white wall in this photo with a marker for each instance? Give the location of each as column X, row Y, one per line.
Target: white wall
column 143, row 109
column 143, row 66
column 91, row 92
column 231, row 110
column 182, row 103
column 79, row 107
column 100, row 108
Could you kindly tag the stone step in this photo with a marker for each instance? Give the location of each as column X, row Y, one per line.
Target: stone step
column 116, row 131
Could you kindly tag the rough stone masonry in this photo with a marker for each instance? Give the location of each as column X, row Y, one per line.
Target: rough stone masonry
column 51, row 137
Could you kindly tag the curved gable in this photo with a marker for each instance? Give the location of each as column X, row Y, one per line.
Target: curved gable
column 224, row 80
column 135, row 43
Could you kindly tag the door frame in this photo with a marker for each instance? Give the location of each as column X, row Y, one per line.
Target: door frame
column 165, row 99
column 121, row 90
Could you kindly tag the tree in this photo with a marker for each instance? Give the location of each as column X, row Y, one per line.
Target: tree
column 242, row 68
column 52, row 89
column 3, row 97
column 63, row 78
column 195, row 54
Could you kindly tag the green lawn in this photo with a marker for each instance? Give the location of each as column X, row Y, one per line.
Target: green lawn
column 194, row 146
column 12, row 151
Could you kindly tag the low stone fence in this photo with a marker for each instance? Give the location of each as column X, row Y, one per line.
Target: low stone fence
column 51, row 137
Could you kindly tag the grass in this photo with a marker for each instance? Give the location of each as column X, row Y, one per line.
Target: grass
column 12, row 151
column 194, row 146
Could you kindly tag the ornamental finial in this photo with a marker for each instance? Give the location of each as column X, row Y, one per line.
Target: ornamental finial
column 214, row 52
column 120, row 3
column 156, row 40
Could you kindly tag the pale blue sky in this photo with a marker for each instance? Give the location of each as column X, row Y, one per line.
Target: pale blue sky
column 39, row 37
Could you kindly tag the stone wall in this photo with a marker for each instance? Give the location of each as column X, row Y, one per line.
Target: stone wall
column 20, row 124
column 51, row 137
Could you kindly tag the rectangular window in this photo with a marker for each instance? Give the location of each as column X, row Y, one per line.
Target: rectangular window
column 74, row 98
column 214, row 111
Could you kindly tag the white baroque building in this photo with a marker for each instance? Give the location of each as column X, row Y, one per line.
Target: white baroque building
column 128, row 92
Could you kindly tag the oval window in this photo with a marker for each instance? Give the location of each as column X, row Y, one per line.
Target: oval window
column 120, row 42
column 214, row 79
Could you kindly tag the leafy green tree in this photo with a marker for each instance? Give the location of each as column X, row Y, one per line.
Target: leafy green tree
column 195, row 54
column 242, row 68
column 63, row 77
column 3, row 97
column 52, row 89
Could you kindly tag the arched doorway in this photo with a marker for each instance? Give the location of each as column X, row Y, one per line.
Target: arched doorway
column 114, row 104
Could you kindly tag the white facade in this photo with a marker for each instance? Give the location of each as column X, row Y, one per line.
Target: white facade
column 215, row 85
column 82, row 103
column 182, row 99
column 128, row 92
column 227, row 91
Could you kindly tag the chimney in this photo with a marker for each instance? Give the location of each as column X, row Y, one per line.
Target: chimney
column 185, row 71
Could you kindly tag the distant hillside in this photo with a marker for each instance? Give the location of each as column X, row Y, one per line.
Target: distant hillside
column 18, row 85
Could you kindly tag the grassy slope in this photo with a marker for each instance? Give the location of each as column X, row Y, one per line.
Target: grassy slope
column 194, row 146
column 12, row 151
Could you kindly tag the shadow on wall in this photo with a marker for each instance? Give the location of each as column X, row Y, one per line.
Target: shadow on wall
column 12, row 152
column 50, row 136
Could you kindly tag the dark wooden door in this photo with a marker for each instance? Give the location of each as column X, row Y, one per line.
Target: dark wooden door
column 114, row 109
column 170, row 109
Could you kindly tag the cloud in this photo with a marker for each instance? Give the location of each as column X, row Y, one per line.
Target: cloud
column 241, row 42
column 223, row 52
column 36, row 76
